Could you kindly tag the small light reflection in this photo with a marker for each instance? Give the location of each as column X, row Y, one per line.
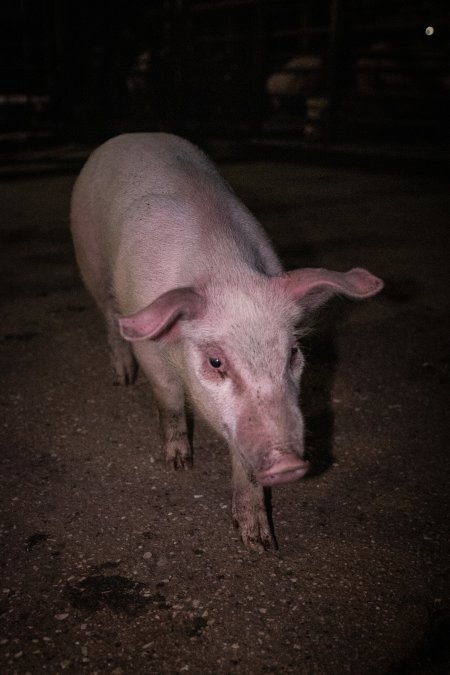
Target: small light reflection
column 429, row 30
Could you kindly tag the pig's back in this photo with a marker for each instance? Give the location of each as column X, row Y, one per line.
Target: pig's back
column 128, row 169
column 153, row 213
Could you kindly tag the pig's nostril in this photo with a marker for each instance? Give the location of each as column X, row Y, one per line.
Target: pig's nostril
column 286, row 470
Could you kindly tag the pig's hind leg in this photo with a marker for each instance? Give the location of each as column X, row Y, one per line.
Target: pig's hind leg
column 170, row 400
column 249, row 508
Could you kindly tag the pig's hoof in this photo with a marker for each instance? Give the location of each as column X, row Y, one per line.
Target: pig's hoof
column 179, row 455
column 255, row 532
column 125, row 372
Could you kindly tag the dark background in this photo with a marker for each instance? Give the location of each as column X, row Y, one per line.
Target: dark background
column 368, row 72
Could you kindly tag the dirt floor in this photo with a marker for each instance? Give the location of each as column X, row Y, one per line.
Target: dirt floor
column 111, row 563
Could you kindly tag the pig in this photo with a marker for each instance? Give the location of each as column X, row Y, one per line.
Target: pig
column 194, row 294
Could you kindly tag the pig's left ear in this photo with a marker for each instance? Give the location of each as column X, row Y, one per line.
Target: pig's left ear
column 160, row 319
column 312, row 287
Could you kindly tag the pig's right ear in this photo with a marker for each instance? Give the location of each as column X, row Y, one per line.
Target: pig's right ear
column 312, row 287
column 160, row 319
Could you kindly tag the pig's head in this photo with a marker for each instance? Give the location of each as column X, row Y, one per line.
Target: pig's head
column 238, row 356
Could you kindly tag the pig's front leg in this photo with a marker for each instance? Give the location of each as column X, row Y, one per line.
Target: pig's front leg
column 174, row 433
column 122, row 358
column 248, row 507
column 170, row 400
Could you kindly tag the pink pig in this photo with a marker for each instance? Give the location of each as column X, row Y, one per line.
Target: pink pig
column 192, row 291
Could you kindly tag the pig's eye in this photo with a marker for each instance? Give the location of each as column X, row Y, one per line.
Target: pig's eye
column 216, row 363
column 294, row 352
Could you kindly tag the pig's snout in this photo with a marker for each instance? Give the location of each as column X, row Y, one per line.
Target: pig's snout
column 286, row 469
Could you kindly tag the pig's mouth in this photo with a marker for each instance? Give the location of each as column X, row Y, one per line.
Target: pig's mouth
column 286, row 470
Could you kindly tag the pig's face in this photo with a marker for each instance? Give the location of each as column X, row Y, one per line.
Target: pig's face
column 242, row 366
column 238, row 357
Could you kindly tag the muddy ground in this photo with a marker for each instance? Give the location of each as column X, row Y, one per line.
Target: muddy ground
column 111, row 563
